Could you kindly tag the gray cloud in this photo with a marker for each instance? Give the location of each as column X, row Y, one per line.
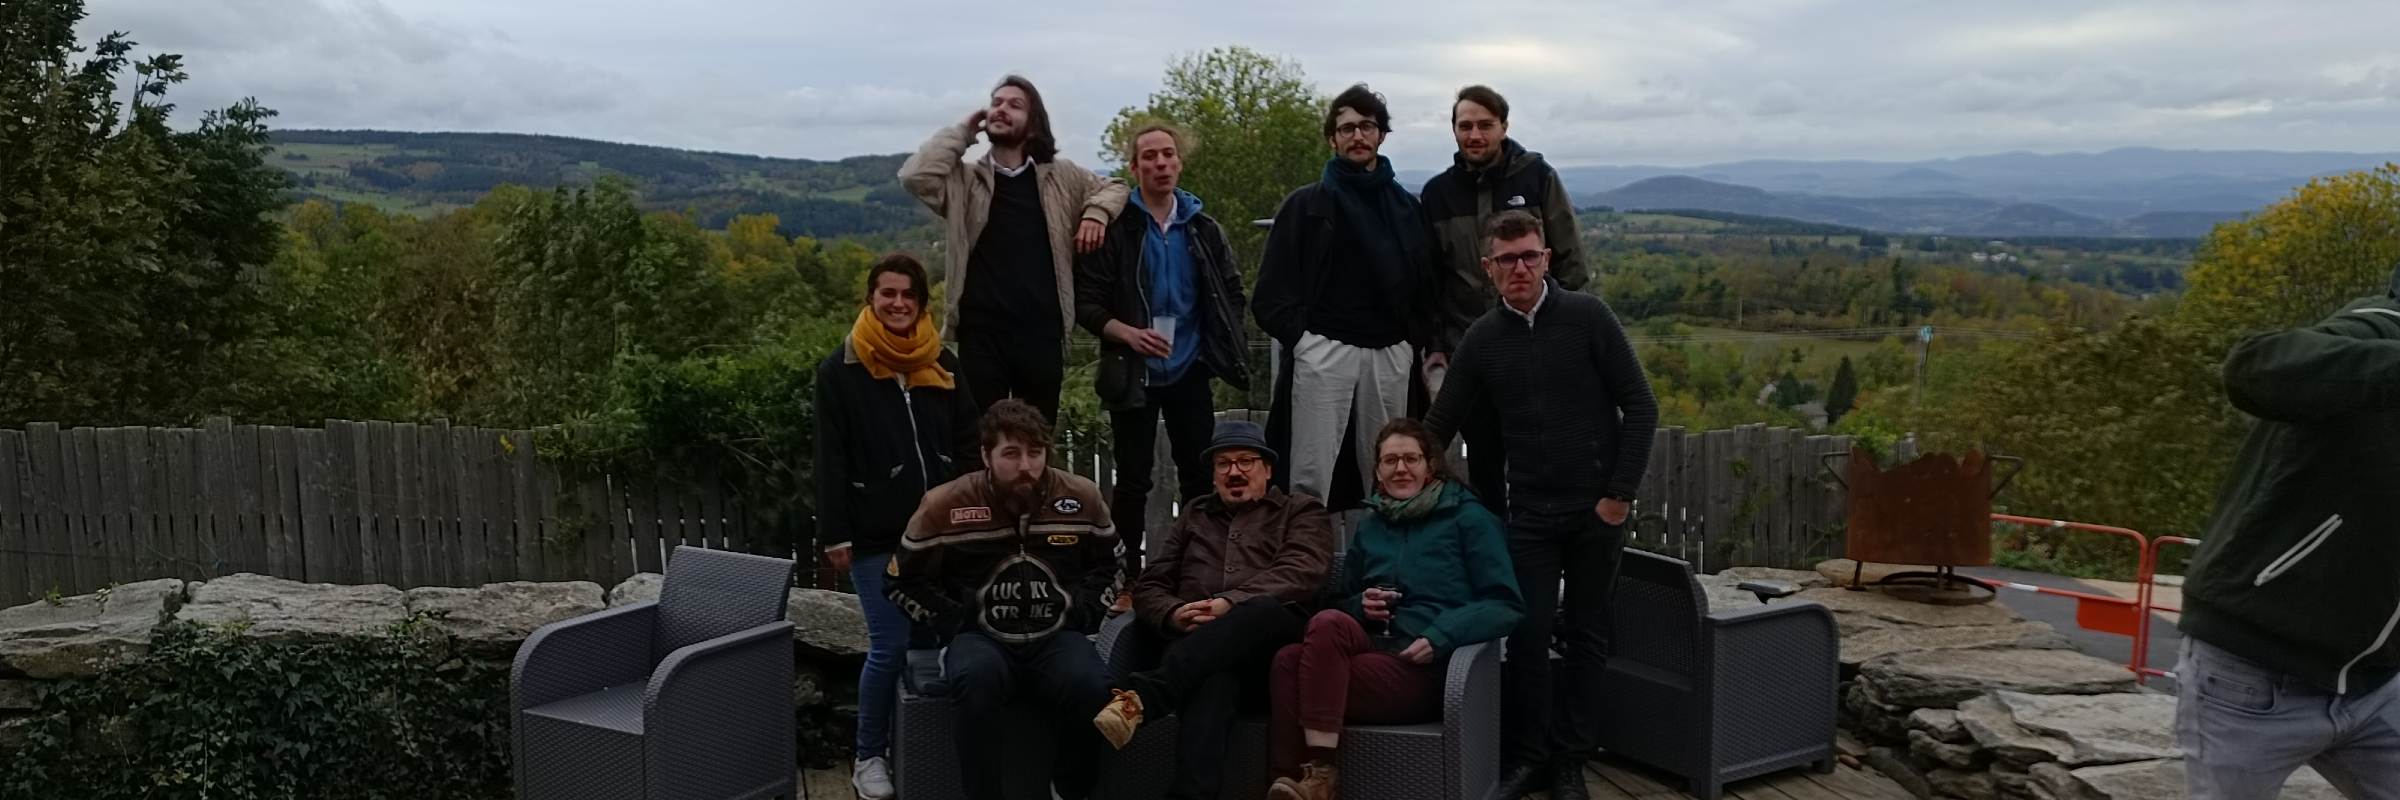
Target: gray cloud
column 1642, row 81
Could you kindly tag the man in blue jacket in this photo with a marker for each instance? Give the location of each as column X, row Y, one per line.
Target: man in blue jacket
column 2291, row 603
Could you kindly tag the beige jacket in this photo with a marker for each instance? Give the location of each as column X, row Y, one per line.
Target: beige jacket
column 961, row 193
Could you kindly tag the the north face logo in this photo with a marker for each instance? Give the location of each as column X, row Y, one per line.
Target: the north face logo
column 1516, row 201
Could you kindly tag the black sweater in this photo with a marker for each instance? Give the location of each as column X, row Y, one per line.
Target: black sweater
column 878, row 450
column 1015, row 289
column 1577, row 419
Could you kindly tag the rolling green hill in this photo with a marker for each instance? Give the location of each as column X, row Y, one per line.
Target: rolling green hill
column 425, row 173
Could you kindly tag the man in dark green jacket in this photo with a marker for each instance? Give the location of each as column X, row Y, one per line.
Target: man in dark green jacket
column 1491, row 173
column 2291, row 603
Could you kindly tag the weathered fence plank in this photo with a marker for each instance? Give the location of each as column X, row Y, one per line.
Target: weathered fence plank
column 16, row 547
column 493, row 486
column 533, row 561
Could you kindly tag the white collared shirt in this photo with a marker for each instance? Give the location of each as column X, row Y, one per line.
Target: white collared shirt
column 1009, row 172
column 1537, row 305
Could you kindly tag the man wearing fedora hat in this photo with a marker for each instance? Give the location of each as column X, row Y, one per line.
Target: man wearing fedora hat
column 1235, row 580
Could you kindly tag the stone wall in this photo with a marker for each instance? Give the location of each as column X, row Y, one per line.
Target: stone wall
column 1976, row 703
column 83, row 635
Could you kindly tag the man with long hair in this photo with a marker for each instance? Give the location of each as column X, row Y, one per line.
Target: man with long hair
column 1013, row 221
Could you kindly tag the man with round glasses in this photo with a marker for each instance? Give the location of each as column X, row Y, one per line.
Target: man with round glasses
column 1235, row 581
column 1577, row 416
column 1343, row 287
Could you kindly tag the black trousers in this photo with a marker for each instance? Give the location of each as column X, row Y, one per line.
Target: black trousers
column 1004, row 364
column 1191, row 416
column 1575, row 545
column 1062, row 670
column 1204, row 678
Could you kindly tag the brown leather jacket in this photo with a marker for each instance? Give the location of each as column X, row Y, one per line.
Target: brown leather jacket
column 1280, row 546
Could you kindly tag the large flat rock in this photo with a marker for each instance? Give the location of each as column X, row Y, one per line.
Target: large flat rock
column 642, row 586
column 2159, row 780
column 77, row 637
column 1997, row 732
column 1892, row 611
column 2099, row 729
column 279, row 610
column 1806, row 579
column 1945, row 678
column 492, row 620
column 1724, row 594
column 1864, row 645
column 827, row 624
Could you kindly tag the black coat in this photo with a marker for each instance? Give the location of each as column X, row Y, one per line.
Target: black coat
column 1112, row 283
column 1297, row 268
column 879, row 449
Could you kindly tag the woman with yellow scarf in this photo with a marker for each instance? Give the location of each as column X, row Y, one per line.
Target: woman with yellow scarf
column 892, row 422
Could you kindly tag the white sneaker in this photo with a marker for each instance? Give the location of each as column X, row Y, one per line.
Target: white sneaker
column 872, row 778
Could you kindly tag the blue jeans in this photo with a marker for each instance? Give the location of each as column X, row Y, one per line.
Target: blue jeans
column 887, row 649
column 2245, row 728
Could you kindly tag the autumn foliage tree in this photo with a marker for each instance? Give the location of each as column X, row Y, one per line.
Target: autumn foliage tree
column 1255, row 121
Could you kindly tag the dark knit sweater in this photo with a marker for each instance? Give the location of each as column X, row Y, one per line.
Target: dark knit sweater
column 1014, row 288
column 1577, row 418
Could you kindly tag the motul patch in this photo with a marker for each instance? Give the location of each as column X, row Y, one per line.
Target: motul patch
column 1067, row 505
column 971, row 514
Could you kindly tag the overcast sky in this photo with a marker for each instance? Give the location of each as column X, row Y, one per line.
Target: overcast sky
column 1674, row 82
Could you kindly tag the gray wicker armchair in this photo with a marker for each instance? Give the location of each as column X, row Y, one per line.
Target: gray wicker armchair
column 685, row 697
column 1719, row 697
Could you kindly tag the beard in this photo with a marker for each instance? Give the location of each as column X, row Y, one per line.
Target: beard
column 1013, row 137
column 1019, row 496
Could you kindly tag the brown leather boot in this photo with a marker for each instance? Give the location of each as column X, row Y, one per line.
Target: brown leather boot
column 1119, row 719
column 1317, row 782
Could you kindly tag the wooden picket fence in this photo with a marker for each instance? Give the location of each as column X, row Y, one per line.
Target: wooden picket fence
column 353, row 502
column 440, row 505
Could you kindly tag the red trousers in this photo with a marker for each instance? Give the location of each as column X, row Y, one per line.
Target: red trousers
column 1335, row 675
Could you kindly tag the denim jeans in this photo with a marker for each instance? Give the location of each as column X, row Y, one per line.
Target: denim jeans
column 887, row 649
column 2245, row 728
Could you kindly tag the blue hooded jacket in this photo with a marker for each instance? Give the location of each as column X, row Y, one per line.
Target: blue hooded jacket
column 1168, row 257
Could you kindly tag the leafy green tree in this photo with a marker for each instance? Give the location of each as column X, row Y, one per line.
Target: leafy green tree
column 2291, row 263
column 1255, row 119
column 1843, row 395
column 123, row 243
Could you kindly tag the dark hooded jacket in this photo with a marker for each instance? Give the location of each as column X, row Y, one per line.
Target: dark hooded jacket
column 2300, row 568
column 1462, row 200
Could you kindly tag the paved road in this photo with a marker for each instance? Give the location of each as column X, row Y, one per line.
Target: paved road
column 2165, row 641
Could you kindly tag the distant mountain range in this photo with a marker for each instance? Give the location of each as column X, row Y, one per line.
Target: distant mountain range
column 428, row 172
column 2134, row 191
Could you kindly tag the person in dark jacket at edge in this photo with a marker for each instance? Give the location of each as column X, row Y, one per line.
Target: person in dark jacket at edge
column 1164, row 297
column 1342, row 286
column 1233, row 583
column 1578, row 417
column 1489, row 174
column 891, row 423
column 1009, row 567
column 2291, row 602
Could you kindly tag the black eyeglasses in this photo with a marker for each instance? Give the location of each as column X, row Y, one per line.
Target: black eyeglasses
column 1529, row 258
column 1353, row 129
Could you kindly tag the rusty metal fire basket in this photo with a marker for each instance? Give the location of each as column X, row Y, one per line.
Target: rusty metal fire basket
column 1935, row 511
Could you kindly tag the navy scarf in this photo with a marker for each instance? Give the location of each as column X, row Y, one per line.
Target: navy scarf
column 1377, row 221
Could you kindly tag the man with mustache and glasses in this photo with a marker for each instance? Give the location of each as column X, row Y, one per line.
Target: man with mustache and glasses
column 1013, row 221
column 1343, row 287
column 1577, row 415
column 1008, row 566
column 1233, row 583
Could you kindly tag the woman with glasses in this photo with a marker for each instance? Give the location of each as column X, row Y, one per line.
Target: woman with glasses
column 1426, row 573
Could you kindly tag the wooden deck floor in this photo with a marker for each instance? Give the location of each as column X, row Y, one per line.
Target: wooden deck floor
column 1610, row 778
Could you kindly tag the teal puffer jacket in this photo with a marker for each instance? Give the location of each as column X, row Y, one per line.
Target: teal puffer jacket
column 1458, row 585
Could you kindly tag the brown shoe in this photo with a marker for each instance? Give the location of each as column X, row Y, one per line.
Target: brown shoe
column 1120, row 718
column 1316, row 782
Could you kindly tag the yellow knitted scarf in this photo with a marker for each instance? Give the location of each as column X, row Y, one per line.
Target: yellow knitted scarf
column 918, row 356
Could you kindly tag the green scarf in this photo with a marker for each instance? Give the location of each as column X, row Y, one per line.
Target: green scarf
column 1402, row 512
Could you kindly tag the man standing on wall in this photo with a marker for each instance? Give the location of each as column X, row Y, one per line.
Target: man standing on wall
column 1342, row 287
column 1491, row 173
column 1013, row 222
column 1164, row 297
column 1578, row 417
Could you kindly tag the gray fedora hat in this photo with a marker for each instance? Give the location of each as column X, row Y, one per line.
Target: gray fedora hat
column 1239, row 435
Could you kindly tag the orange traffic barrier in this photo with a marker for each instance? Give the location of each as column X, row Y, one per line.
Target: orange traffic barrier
column 2097, row 612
